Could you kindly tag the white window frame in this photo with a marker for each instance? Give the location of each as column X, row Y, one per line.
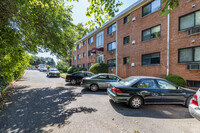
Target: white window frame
column 100, row 39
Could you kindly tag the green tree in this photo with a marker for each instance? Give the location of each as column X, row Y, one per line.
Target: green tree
column 104, row 10
column 29, row 26
column 62, row 66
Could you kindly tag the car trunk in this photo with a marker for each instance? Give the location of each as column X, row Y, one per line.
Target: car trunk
column 198, row 97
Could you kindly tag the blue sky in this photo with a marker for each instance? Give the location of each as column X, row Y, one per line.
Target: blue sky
column 78, row 16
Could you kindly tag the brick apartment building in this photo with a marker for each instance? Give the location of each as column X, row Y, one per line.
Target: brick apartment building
column 139, row 42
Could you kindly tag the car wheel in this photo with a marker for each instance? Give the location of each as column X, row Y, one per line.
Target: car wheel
column 73, row 81
column 188, row 102
column 136, row 102
column 94, row 87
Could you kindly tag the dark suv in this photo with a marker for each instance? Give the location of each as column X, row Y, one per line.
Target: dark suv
column 75, row 78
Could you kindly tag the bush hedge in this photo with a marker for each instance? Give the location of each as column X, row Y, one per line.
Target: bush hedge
column 71, row 69
column 75, row 69
column 176, row 80
column 99, row 68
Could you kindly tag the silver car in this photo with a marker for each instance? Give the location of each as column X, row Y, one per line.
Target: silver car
column 194, row 107
column 53, row 72
column 99, row 81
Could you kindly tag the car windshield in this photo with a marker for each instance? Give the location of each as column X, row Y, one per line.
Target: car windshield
column 53, row 69
column 128, row 80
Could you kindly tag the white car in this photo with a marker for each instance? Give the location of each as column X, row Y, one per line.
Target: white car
column 194, row 107
column 42, row 69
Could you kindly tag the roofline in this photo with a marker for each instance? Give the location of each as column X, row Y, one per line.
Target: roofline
column 121, row 14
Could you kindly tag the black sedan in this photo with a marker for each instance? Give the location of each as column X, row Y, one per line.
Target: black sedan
column 137, row 91
column 75, row 78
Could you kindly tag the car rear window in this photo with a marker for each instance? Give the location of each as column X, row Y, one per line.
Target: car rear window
column 128, row 81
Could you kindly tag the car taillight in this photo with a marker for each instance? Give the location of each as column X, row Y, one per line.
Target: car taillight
column 116, row 90
column 82, row 81
column 194, row 100
column 109, row 86
column 66, row 76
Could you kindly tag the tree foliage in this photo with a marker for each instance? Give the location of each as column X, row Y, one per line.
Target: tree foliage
column 29, row 26
column 62, row 66
column 104, row 10
column 41, row 60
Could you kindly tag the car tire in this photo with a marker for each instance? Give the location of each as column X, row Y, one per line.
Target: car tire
column 189, row 100
column 94, row 87
column 136, row 102
column 73, row 82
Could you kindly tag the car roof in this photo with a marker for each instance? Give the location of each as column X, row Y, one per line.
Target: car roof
column 106, row 74
column 145, row 77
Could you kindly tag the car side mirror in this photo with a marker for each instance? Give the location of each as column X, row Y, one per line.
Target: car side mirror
column 179, row 88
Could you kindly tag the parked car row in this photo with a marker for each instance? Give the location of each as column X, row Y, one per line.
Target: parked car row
column 137, row 91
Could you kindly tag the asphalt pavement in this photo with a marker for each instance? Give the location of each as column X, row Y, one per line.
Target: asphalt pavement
column 42, row 104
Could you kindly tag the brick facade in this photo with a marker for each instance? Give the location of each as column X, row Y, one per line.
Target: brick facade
column 133, row 29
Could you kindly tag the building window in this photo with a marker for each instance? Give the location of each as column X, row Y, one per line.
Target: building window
column 99, row 39
column 78, row 46
column 193, row 84
column 83, row 65
column 90, row 53
column 112, row 63
column 100, row 58
column 151, row 7
column 79, row 66
column 126, row 60
column 111, row 29
column 188, row 55
column 83, row 54
column 126, row 40
column 89, row 65
column 111, row 46
column 189, row 21
column 74, row 58
column 151, row 33
column 151, row 59
column 84, row 42
column 79, row 56
column 90, row 40
column 126, row 19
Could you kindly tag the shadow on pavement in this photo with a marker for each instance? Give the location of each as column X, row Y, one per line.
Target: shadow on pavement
column 70, row 85
column 153, row 111
column 88, row 91
column 33, row 109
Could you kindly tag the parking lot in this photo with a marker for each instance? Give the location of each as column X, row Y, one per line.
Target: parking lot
column 42, row 104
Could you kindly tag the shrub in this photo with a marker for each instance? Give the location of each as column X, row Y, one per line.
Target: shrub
column 71, row 69
column 176, row 80
column 99, row 68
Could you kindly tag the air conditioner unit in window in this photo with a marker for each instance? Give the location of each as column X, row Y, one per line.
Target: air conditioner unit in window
column 193, row 67
column 111, row 52
column 194, row 30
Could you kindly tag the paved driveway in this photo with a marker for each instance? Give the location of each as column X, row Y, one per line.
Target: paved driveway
column 41, row 104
